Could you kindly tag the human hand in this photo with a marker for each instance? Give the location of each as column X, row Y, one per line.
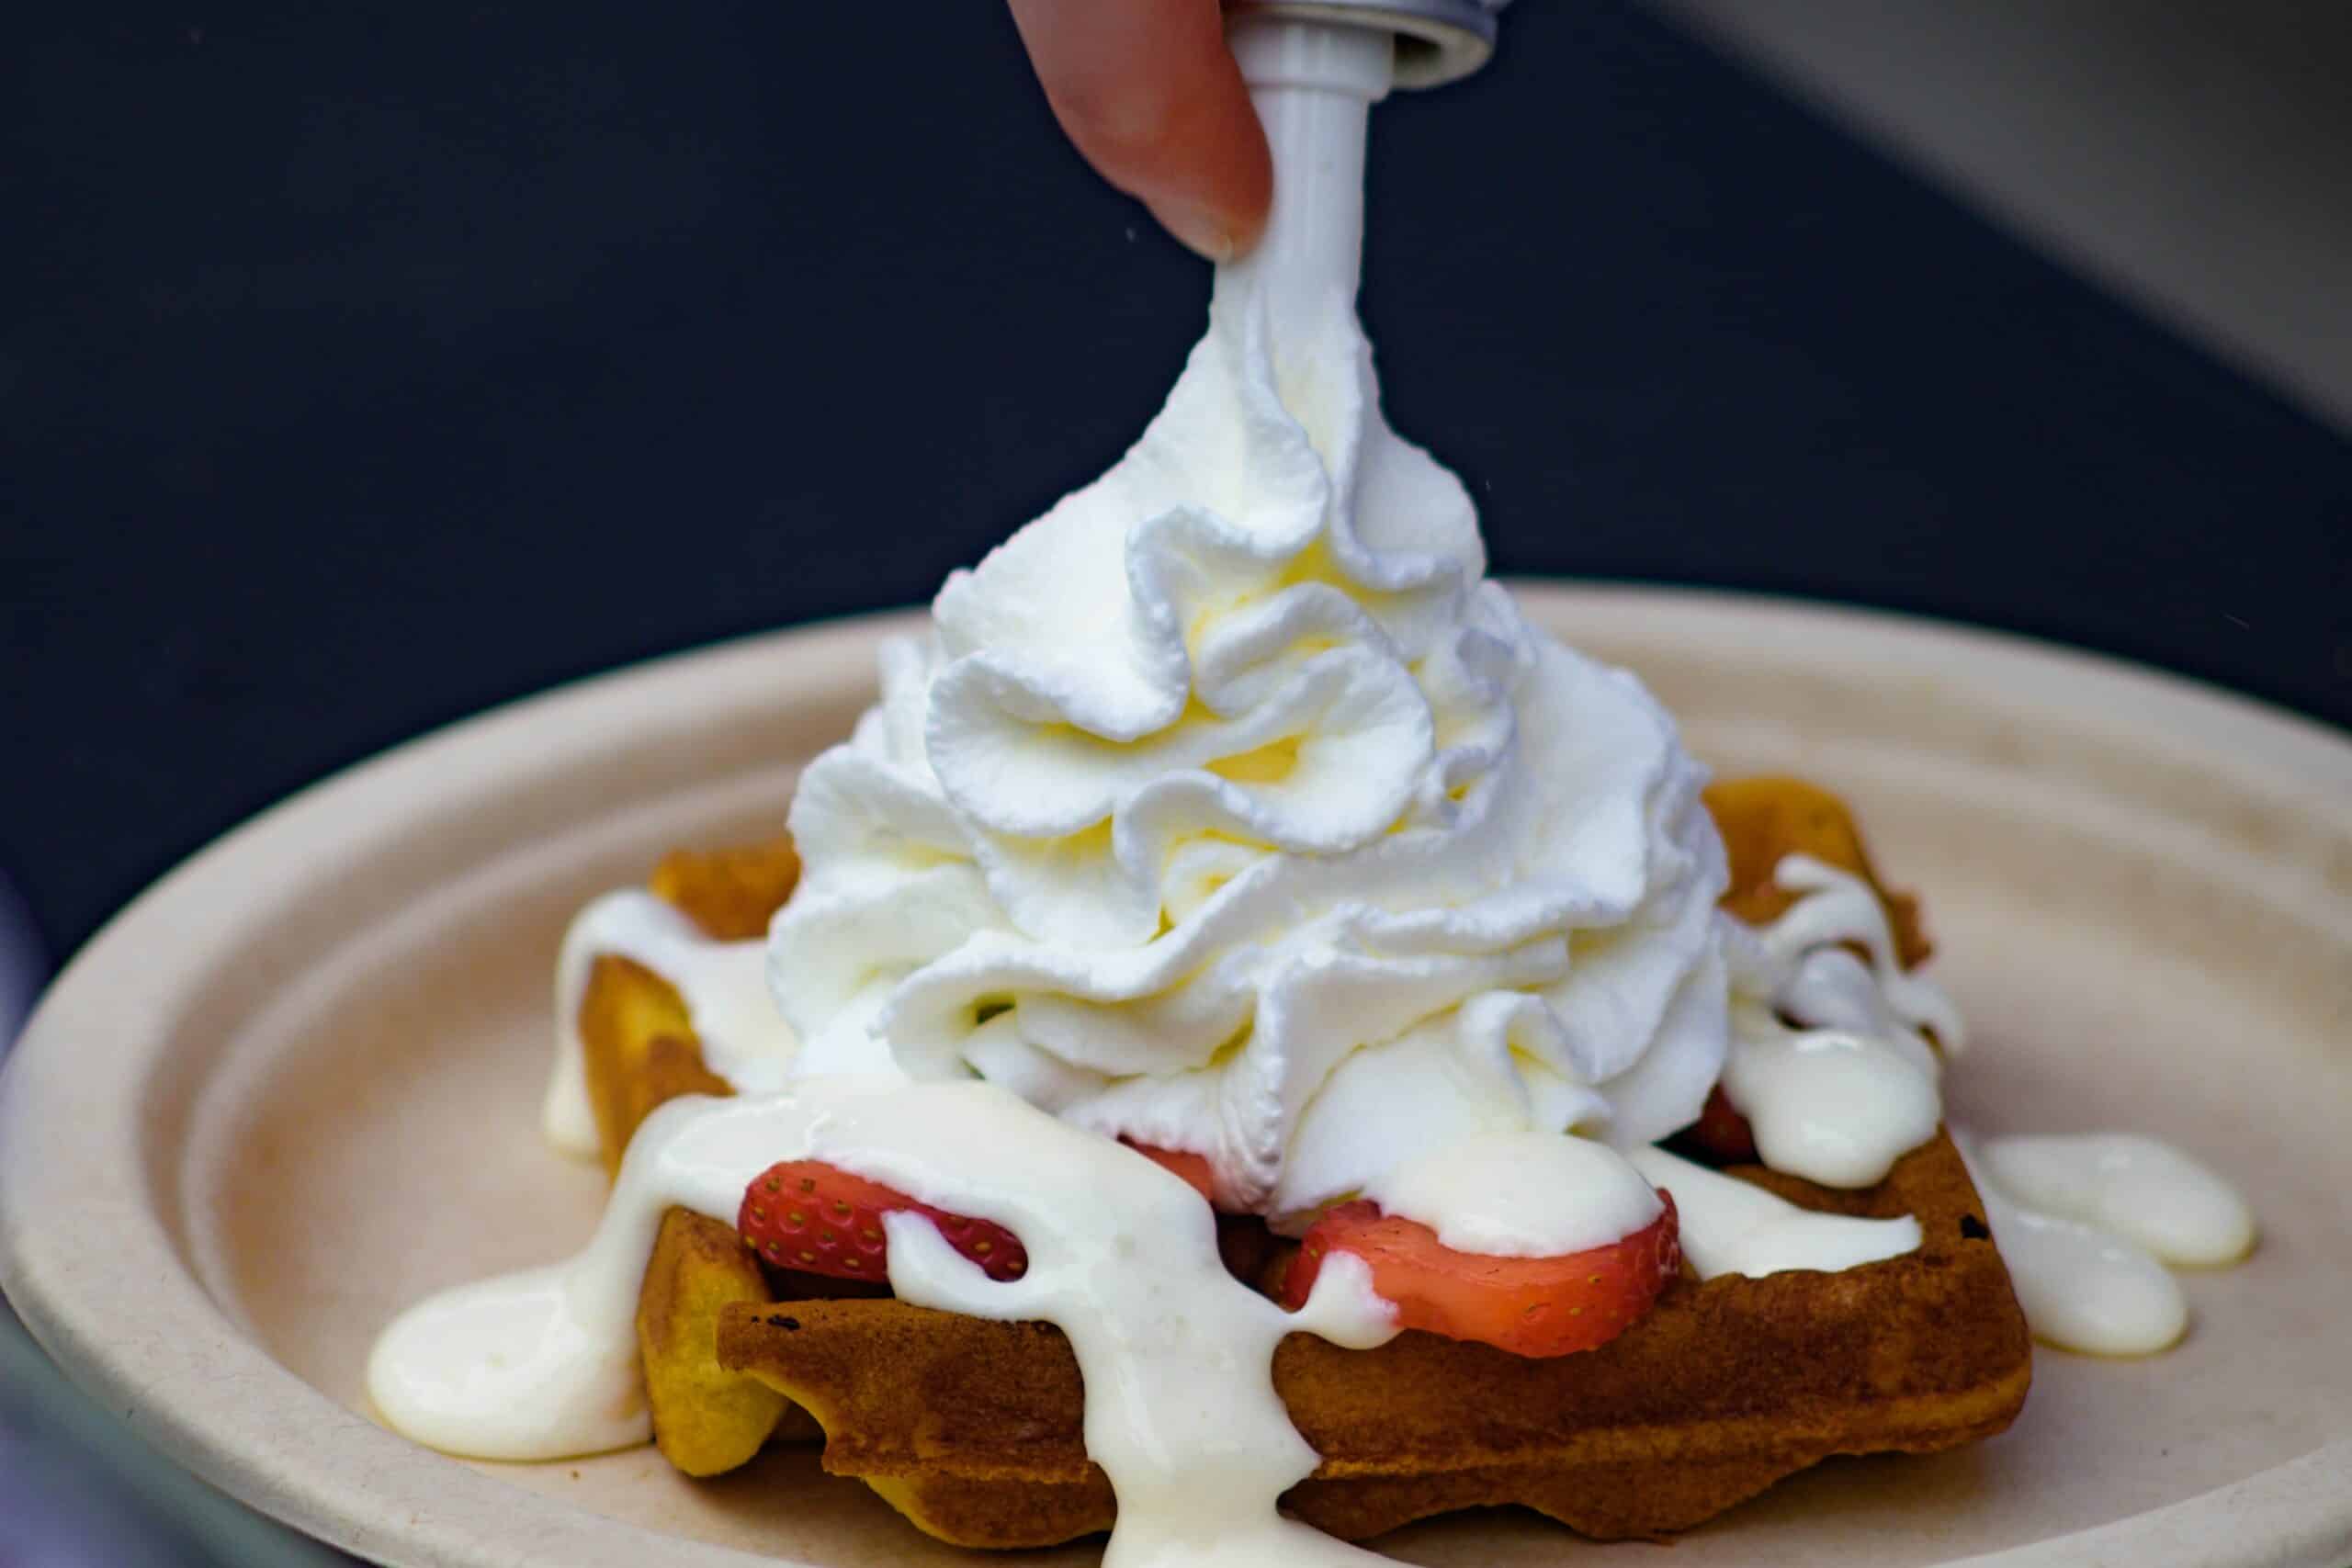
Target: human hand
column 1150, row 95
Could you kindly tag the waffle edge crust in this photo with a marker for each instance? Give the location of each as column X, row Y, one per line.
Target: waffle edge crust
column 974, row 1429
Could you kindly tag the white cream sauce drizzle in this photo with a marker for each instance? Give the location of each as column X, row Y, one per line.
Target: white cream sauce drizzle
column 2086, row 1223
column 1177, row 1355
column 1520, row 1194
column 1832, row 1105
column 2141, row 1189
column 724, row 986
column 1730, row 1227
column 1838, row 907
column 1841, row 1098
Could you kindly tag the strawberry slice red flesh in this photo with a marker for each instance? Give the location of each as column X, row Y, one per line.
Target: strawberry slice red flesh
column 1530, row 1306
column 1722, row 1132
column 1193, row 1168
column 811, row 1217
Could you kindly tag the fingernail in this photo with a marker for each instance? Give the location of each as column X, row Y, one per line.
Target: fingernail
column 1199, row 228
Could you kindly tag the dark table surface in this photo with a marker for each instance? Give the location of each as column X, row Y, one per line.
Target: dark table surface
column 369, row 365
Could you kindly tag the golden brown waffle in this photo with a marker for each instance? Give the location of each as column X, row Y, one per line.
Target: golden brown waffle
column 1765, row 819
column 638, row 1048
column 710, row 1419
column 1722, row 1389
column 973, row 1429
column 732, row 892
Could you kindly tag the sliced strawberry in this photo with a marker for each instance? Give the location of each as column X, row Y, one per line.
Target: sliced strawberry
column 1530, row 1306
column 1195, row 1168
column 1722, row 1134
column 805, row 1214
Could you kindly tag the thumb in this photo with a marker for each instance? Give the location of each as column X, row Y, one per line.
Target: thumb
column 1150, row 95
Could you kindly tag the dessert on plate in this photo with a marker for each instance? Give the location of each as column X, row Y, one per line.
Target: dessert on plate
column 974, row 1429
column 1252, row 1042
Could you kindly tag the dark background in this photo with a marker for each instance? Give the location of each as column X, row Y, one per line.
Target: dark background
column 366, row 367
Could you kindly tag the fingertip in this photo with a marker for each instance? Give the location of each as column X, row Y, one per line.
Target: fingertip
column 1251, row 185
column 1199, row 228
column 1227, row 227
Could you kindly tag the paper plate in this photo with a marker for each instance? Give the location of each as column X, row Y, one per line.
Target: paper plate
column 295, row 1086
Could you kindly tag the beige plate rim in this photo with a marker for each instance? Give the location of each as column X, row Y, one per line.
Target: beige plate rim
column 83, row 1226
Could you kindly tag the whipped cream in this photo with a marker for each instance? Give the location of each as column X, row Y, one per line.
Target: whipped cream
column 2086, row 1223
column 743, row 1037
column 1230, row 782
column 1176, row 1354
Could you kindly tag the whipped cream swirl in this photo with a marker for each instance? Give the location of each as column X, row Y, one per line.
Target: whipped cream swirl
column 1230, row 809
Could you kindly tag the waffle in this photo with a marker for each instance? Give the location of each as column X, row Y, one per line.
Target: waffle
column 637, row 1048
column 974, row 1429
